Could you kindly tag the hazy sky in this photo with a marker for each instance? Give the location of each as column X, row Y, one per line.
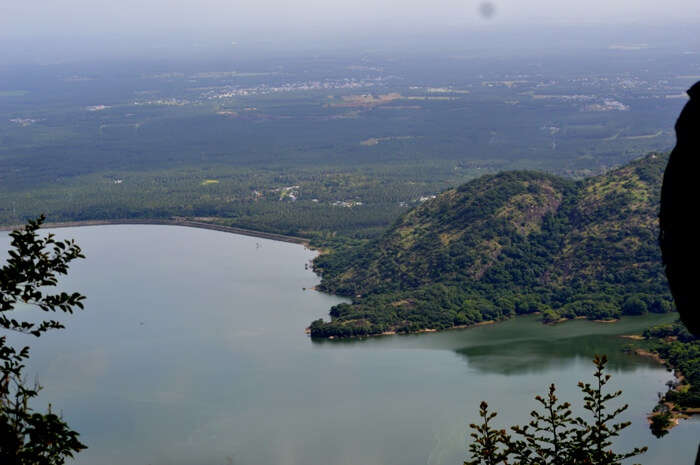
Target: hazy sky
column 137, row 17
column 45, row 31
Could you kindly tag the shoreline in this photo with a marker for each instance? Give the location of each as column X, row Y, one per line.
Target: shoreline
column 674, row 412
column 395, row 333
column 432, row 330
column 457, row 327
column 171, row 222
column 652, row 355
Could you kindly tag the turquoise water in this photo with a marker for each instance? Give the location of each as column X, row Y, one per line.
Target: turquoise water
column 192, row 351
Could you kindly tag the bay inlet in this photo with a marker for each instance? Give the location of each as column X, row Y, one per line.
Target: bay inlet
column 191, row 350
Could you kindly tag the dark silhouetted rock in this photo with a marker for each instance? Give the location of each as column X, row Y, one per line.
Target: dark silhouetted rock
column 680, row 214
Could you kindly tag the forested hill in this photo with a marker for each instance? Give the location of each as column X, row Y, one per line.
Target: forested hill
column 505, row 244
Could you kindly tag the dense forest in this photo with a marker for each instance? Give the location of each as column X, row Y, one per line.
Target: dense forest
column 506, row 244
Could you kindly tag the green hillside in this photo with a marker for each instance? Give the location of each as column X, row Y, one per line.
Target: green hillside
column 505, row 244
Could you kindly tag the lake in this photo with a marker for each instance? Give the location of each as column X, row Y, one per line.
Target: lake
column 192, row 351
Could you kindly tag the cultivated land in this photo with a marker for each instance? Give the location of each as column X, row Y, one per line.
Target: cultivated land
column 321, row 147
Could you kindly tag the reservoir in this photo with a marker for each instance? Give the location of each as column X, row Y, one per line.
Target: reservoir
column 192, row 351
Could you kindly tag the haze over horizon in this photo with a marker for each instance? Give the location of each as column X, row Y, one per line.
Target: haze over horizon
column 81, row 28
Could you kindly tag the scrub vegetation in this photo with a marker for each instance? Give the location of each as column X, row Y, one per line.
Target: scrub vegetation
column 507, row 244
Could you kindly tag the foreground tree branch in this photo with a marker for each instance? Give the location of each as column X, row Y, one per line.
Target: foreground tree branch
column 33, row 266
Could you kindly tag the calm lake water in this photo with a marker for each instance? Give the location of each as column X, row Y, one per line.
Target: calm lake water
column 192, row 351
